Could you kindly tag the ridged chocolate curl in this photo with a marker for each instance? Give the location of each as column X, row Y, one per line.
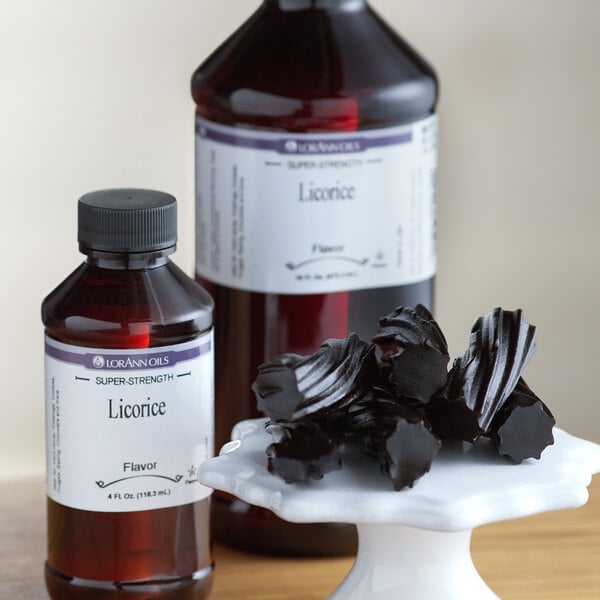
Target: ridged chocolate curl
column 451, row 418
column 413, row 343
column 401, row 441
column 395, row 435
column 480, row 381
column 353, row 422
column 302, row 451
column 522, row 428
column 502, row 342
column 398, row 412
column 293, row 387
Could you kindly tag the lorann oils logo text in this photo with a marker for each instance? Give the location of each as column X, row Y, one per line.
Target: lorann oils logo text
column 321, row 146
column 107, row 362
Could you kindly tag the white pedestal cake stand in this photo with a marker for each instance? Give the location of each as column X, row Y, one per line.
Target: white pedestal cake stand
column 413, row 544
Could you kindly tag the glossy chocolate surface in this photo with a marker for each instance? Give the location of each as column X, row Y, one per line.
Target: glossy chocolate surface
column 326, row 406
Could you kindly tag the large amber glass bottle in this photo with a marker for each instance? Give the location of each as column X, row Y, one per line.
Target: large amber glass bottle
column 315, row 182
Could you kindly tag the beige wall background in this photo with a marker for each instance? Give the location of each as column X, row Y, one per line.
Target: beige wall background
column 96, row 94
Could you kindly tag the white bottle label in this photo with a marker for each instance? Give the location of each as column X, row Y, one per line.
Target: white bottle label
column 296, row 213
column 126, row 430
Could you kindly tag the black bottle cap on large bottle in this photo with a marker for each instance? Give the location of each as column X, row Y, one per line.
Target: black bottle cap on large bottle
column 126, row 221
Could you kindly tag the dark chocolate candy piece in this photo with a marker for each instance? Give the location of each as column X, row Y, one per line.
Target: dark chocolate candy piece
column 276, row 387
column 522, row 428
column 376, row 410
column 453, row 420
column 393, row 433
column 301, row 451
column 402, row 443
column 398, row 411
column 502, row 342
column 352, row 422
column 293, row 387
column 413, row 343
column 482, row 378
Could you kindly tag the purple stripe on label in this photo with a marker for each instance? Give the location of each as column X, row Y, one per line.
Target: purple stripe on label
column 304, row 146
column 127, row 361
column 234, row 139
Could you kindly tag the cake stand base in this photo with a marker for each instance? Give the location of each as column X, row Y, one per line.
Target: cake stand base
column 413, row 544
column 396, row 562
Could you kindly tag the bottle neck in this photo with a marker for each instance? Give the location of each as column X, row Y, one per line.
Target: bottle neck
column 296, row 5
column 128, row 261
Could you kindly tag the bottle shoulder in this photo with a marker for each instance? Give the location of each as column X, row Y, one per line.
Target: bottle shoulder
column 302, row 69
column 127, row 308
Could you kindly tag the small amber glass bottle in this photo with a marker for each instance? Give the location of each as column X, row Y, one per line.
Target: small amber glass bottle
column 129, row 410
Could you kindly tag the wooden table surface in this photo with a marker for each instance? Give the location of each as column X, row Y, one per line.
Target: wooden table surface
column 553, row 556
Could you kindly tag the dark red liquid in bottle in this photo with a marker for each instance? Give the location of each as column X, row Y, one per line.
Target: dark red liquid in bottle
column 127, row 303
column 345, row 70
